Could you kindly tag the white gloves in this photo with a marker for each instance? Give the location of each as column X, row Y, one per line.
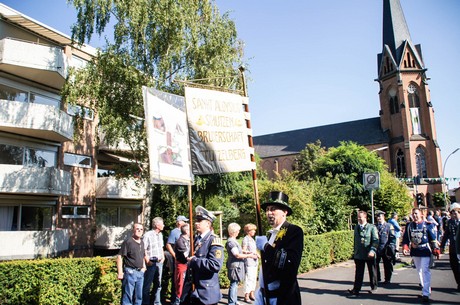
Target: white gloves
column 260, row 242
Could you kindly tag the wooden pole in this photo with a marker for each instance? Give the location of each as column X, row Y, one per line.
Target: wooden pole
column 254, row 182
column 253, row 159
column 190, row 218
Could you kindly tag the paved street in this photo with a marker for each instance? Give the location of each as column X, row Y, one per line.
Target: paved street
column 329, row 286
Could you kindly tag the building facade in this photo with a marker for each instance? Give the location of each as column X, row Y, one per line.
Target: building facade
column 404, row 134
column 58, row 196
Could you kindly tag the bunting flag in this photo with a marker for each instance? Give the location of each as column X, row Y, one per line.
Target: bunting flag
column 430, row 180
column 167, row 137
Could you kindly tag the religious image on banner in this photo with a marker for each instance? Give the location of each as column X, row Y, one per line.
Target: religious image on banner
column 218, row 133
column 167, row 137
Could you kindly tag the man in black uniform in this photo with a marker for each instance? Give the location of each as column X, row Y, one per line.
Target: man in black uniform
column 201, row 285
column 386, row 250
column 452, row 227
column 281, row 255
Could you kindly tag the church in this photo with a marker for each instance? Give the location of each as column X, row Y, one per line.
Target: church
column 404, row 134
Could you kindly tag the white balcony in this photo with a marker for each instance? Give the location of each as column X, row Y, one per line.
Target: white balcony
column 30, row 180
column 111, row 237
column 36, row 120
column 33, row 244
column 40, row 63
column 113, row 188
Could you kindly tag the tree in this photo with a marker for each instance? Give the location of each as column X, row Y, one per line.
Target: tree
column 306, row 163
column 347, row 163
column 151, row 48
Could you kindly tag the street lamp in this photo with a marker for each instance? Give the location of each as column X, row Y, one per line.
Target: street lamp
column 444, row 177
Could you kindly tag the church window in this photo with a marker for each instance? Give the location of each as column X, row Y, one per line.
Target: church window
column 394, row 105
column 420, row 161
column 400, row 164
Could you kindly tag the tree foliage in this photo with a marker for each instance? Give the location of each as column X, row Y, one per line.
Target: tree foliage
column 348, row 162
column 156, row 43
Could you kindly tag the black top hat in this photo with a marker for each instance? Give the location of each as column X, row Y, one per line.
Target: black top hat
column 201, row 213
column 279, row 199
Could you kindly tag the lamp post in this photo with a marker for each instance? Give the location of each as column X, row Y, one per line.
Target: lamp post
column 444, row 177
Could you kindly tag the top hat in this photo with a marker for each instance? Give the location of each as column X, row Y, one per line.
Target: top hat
column 181, row 218
column 279, row 199
column 201, row 213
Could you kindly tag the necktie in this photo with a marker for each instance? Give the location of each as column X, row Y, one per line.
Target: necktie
column 197, row 240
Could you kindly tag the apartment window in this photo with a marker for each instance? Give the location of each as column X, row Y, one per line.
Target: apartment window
column 30, row 217
column 77, row 160
column 12, row 94
column 117, row 216
column 44, row 100
column 83, row 112
column 14, row 91
column 28, row 156
column 75, row 211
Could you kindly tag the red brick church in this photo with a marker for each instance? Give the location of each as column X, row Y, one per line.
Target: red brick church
column 404, row 134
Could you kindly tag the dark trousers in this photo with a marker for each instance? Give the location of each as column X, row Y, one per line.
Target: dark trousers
column 387, row 267
column 454, row 264
column 359, row 273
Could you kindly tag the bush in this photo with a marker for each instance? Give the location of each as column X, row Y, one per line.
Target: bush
column 60, row 281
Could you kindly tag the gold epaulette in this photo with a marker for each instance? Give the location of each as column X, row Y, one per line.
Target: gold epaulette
column 217, row 241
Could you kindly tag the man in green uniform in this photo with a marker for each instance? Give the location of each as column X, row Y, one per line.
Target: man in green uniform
column 366, row 241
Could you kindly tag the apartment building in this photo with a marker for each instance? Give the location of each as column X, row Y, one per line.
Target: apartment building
column 58, row 196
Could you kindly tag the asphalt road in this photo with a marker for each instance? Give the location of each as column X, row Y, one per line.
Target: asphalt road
column 329, row 286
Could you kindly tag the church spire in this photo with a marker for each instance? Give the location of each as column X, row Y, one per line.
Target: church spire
column 395, row 30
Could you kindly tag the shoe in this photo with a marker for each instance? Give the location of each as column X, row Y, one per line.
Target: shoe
column 246, row 298
column 386, row 283
column 251, row 296
column 373, row 290
column 425, row 299
column 353, row 292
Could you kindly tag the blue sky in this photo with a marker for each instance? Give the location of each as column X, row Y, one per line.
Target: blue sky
column 313, row 63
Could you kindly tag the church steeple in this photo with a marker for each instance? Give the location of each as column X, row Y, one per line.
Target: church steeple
column 406, row 110
column 395, row 30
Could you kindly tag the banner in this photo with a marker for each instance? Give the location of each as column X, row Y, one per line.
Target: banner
column 218, row 132
column 167, row 137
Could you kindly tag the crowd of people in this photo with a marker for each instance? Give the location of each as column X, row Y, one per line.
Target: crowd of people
column 273, row 259
column 424, row 236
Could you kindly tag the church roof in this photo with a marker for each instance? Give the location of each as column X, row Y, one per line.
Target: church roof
column 363, row 132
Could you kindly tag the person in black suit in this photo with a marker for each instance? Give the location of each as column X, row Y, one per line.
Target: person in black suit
column 201, row 286
column 281, row 254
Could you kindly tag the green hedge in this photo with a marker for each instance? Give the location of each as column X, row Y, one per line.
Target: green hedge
column 94, row 280
column 60, row 281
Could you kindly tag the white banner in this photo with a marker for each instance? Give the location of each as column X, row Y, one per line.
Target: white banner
column 167, row 137
column 218, row 132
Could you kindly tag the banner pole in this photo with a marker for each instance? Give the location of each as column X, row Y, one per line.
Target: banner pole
column 253, row 159
column 254, row 183
column 190, row 218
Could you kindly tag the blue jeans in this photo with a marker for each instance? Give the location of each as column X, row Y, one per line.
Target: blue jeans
column 131, row 287
column 152, row 275
column 233, row 293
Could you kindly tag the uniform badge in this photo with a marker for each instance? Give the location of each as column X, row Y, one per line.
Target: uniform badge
column 218, row 253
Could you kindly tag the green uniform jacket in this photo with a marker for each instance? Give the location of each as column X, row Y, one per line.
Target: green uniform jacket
column 366, row 240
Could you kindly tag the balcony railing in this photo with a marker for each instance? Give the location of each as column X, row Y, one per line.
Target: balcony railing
column 40, row 63
column 33, row 244
column 36, row 120
column 113, row 188
column 30, row 180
